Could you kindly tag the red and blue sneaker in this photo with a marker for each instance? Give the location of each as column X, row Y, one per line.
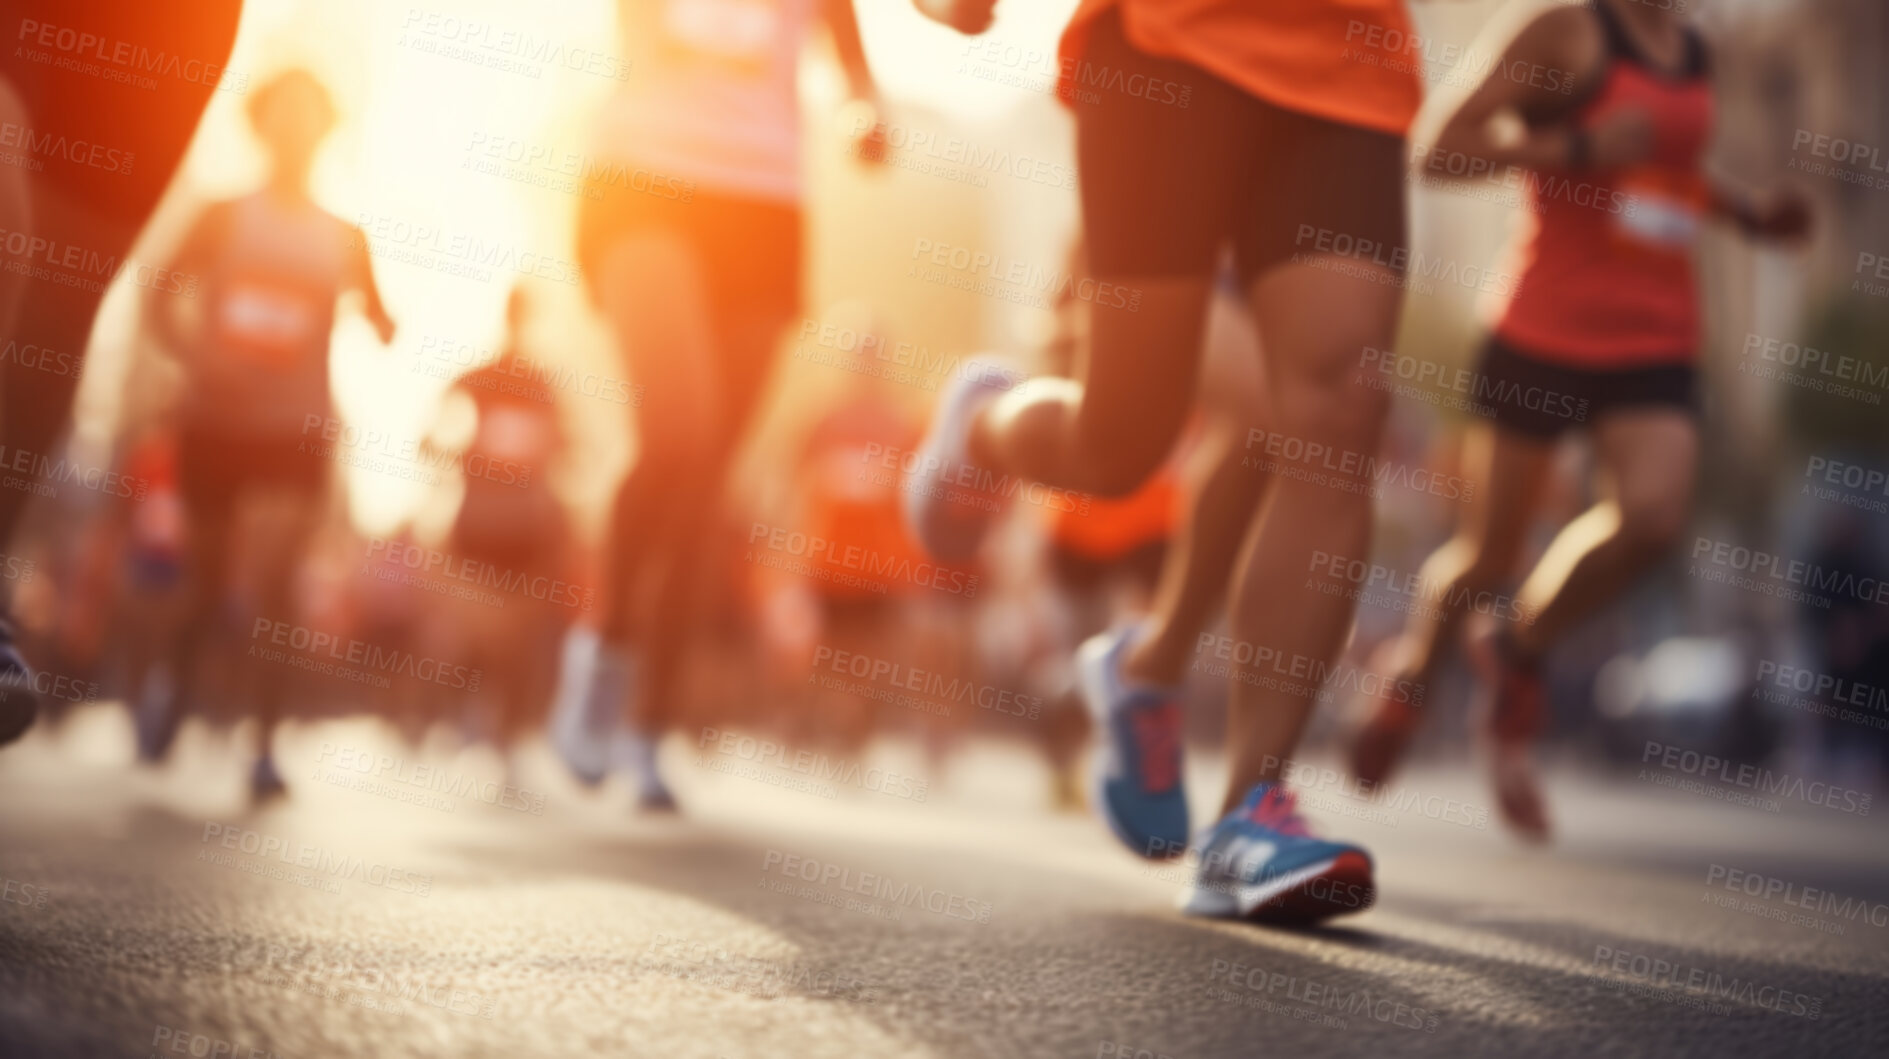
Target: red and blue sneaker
column 1260, row 863
column 1138, row 775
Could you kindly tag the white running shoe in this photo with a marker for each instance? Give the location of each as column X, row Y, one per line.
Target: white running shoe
column 595, row 682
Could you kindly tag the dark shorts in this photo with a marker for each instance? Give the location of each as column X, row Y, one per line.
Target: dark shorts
column 749, row 248
column 1538, row 397
column 1165, row 186
column 1079, row 572
column 214, row 471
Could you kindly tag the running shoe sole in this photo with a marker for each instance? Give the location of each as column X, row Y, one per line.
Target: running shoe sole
column 1293, row 898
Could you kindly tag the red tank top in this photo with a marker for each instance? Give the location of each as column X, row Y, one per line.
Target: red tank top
column 1606, row 272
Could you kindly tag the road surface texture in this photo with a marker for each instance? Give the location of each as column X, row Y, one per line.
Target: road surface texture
column 407, row 903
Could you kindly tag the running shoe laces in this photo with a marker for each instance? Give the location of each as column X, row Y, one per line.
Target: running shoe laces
column 1158, row 735
column 1278, row 810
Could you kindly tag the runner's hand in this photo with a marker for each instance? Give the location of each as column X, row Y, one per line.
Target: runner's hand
column 865, row 125
column 1784, row 214
column 969, row 17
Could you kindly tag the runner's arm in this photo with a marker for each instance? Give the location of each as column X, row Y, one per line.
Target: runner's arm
column 1484, row 127
column 361, row 278
column 192, row 259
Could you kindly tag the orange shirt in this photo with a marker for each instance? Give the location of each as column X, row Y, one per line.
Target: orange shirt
column 1105, row 529
column 1326, row 58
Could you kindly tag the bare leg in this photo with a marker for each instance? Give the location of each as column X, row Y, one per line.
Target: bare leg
column 1313, row 323
column 1509, row 469
column 289, row 519
column 657, row 303
column 1649, row 457
column 1194, row 577
column 1107, row 432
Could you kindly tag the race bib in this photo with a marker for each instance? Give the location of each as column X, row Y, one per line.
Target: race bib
column 515, row 434
column 270, row 325
column 738, row 33
column 1664, row 211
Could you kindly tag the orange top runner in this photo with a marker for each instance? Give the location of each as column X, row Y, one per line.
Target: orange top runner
column 1325, row 58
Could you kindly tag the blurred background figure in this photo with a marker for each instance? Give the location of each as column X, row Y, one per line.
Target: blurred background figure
column 1602, row 334
column 512, row 528
column 695, row 262
column 253, row 475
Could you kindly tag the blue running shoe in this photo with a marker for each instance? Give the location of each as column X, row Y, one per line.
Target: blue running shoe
column 945, row 507
column 1259, row 863
column 19, row 701
column 1138, row 777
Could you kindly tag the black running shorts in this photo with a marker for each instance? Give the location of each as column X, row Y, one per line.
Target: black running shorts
column 1541, row 398
column 1166, row 185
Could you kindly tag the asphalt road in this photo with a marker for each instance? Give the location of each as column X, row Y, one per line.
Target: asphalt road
column 887, row 913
